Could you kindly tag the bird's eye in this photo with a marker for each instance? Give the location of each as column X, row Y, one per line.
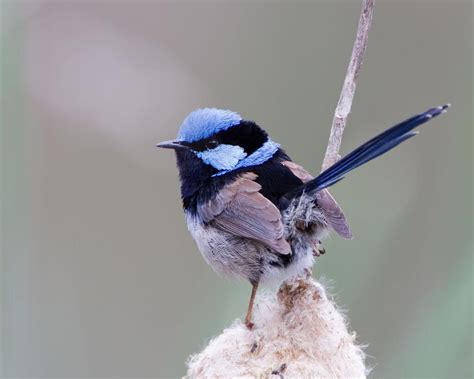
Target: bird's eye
column 211, row 144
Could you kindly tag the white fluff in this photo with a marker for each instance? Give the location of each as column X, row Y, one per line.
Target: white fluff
column 301, row 334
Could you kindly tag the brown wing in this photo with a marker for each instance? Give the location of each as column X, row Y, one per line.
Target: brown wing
column 242, row 210
column 328, row 205
column 333, row 213
column 298, row 171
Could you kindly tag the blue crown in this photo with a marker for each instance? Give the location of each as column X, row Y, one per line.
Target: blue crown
column 203, row 123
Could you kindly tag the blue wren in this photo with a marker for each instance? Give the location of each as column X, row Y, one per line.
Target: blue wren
column 254, row 213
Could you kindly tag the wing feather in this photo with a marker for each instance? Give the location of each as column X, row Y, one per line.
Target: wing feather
column 242, row 210
column 328, row 205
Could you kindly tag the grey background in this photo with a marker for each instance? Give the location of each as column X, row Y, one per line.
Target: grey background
column 100, row 277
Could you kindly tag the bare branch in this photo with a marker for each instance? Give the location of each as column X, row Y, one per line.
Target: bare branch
column 348, row 89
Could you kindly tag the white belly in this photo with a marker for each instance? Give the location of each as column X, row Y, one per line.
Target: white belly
column 242, row 258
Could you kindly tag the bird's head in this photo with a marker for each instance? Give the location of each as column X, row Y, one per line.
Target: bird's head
column 220, row 141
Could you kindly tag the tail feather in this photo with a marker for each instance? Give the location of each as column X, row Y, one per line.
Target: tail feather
column 373, row 148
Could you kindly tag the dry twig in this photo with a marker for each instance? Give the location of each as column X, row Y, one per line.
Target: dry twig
column 350, row 82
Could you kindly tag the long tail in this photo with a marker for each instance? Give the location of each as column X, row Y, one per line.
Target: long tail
column 366, row 152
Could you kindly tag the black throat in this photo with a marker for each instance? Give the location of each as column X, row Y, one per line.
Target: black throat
column 194, row 174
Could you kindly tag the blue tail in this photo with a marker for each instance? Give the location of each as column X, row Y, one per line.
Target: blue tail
column 368, row 151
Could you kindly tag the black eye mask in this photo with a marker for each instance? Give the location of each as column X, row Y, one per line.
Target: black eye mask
column 247, row 135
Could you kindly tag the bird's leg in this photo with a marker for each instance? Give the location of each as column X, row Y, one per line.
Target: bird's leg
column 248, row 317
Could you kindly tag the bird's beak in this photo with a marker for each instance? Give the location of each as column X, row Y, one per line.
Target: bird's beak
column 175, row 145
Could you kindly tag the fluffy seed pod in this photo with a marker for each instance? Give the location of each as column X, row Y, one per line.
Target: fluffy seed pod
column 301, row 334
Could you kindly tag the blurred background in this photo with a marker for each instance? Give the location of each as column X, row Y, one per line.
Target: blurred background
column 99, row 275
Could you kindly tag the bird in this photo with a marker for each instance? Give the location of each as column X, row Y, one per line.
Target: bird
column 253, row 212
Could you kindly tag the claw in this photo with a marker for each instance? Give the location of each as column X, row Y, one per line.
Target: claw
column 318, row 249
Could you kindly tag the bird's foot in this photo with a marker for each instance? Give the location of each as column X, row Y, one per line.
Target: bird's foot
column 318, row 249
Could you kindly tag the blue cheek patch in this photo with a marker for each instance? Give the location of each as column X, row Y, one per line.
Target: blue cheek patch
column 223, row 157
column 259, row 156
